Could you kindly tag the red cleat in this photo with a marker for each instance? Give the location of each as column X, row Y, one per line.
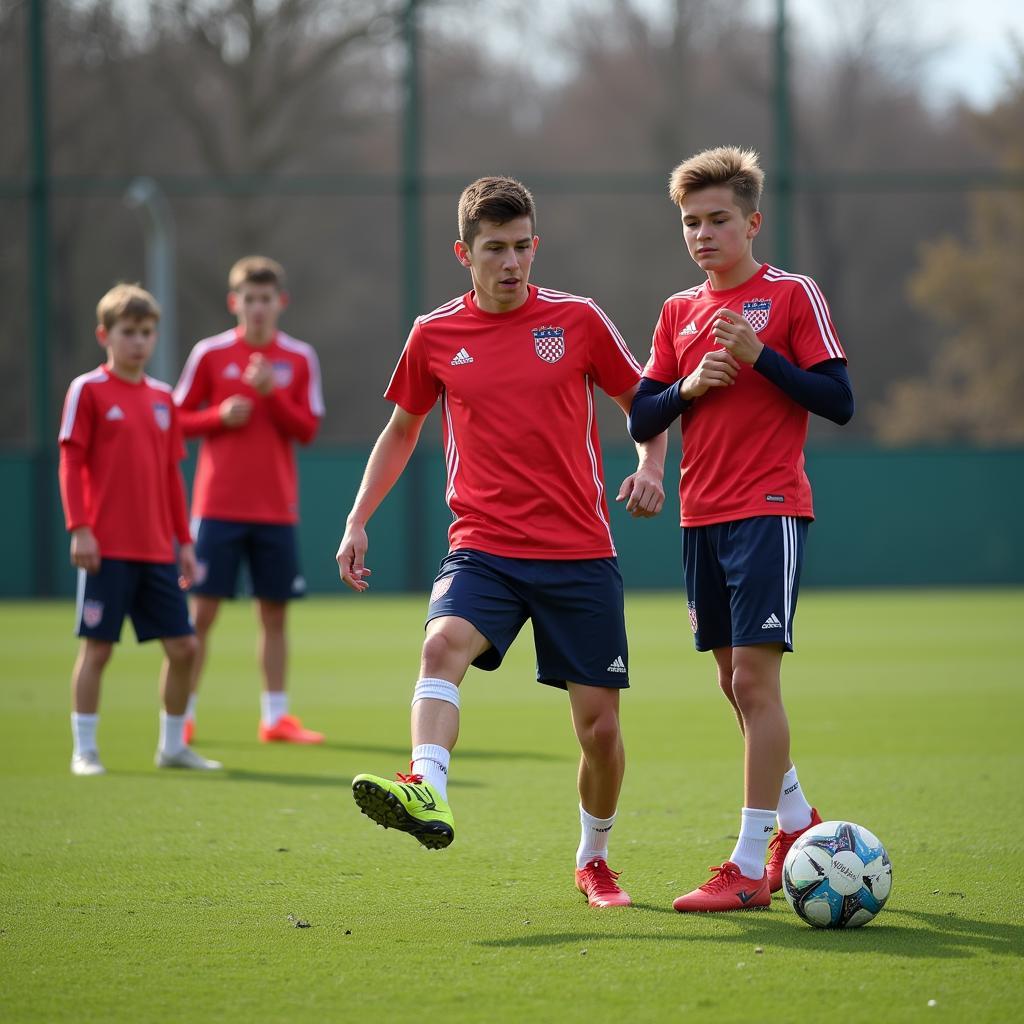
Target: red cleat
column 780, row 846
column 727, row 890
column 597, row 882
column 189, row 731
column 288, row 729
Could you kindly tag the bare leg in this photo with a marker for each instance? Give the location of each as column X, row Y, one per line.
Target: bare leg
column 595, row 718
column 204, row 613
column 177, row 671
column 87, row 674
column 273, row 644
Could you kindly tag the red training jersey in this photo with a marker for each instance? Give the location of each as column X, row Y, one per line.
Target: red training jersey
column 120, row 449
column 743, row 446
column 520, row 433
column 247, row 473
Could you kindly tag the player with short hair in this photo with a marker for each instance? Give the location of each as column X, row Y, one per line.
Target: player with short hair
column 743, row 359
column 514, row 368
column 124, row 505
column 251, row 394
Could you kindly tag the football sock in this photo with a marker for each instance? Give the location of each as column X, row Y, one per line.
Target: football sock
column 436, row 689
column 190, row 710
column 172, row 733
column 83, row 732
column 431, row 761
column 794, row 810
column 756, row 828
column 593, row 838
column 274, row 704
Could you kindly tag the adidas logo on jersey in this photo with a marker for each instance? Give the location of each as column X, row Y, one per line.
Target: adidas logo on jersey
column 618, row 665
column 115, row 413
column 690, row 328
column 461, row 358
column 772, row 622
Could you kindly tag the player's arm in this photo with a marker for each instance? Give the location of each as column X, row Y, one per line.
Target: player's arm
column 192, row 397
column 179, row 517
column 655, row 407
column 388, row 459
column 644, row 490
column 85, row 549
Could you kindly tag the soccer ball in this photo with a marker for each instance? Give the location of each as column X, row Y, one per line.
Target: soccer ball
column 837, row 875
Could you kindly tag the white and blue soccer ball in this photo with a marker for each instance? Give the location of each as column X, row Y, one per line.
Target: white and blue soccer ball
column 837, row 875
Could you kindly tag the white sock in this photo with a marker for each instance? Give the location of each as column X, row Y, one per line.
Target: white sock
column 756, row 828
column 190, row 710
column 593, row 838
column 83, row 732
column 172, row 733
column 794, row 810
column 432, row 761
column 274, row 704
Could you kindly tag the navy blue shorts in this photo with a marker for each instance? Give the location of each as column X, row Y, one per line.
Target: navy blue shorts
column 147, row 592
column 742, row 580
column 579, row 627
column 270, row 551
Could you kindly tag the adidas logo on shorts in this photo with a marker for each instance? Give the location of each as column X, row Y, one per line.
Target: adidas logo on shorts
column 618, row 665
column 772, row 622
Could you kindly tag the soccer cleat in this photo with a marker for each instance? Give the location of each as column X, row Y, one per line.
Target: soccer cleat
column 189, row 732
column 408, row 804
column 87, row 763
column 598, row 883
column 186, row 758
column 288, row 729
column 780, row 846
column 727, row 890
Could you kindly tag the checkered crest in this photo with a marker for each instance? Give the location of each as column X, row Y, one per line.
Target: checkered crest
column 162, row 415
column 756, row 313
column 549, row 343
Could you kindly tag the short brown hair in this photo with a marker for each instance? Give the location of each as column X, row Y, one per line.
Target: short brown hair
column 126, row 302
column 735, row 168
column 498, row 200
column 256, row 270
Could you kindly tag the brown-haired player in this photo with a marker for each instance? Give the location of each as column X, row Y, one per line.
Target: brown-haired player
column 743, row 359
column 513, row 367
column 251, row 394
column 124, row 505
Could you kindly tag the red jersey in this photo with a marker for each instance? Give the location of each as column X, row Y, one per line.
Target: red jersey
column 120, row 449
column 520, row 434
column 247, row 473
column 743, row 446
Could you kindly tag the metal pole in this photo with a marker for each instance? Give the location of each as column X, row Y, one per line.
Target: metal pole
column 146, row 195
column 44, row 427
column 783, row 184
column 411, row 245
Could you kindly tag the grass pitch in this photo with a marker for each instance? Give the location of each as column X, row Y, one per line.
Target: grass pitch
column 158, row 896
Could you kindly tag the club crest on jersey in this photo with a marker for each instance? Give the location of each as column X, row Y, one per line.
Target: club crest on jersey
column 549, row 343
column 756, row 313
column 162, row 415
column 92, row 613
column 282, row 373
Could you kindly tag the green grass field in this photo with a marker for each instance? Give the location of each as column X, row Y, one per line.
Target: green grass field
column 156, row 896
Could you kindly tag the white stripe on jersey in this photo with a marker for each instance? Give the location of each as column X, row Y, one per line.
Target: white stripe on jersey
column 452, row 306
column 160, row 385
column 188, row 374
column 304, row 349
column 818, row 304
column 451, row 453
column 547, row 295
column 688, row 293
column 74, row 394
column 595, row 470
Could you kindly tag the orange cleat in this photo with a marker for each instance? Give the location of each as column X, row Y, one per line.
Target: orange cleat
column 780, row 846
column 288, row 729
column 598, row 883
column 188, row 732
column 727, row 890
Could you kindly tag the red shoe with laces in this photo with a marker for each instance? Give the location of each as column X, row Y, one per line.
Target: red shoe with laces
column 727, row 890
column 780, row 845
column 288, row 729
column 598, row 883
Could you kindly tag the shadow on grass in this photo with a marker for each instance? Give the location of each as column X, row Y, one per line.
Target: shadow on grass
column 931, row 936
column 468, row 754
column 277, row 778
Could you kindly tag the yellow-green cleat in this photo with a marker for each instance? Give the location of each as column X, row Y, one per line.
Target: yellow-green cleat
column 408, row 804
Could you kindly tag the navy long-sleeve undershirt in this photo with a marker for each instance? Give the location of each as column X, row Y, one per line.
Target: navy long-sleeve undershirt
column 824, row 390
